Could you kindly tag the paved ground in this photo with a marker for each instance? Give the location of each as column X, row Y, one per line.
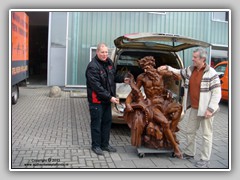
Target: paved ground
column 52, row 133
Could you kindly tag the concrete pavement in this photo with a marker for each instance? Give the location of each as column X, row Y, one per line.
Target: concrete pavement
column 54, row 133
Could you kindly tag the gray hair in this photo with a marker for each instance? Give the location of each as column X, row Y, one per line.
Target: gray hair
column 100, row 45
column 202, row 52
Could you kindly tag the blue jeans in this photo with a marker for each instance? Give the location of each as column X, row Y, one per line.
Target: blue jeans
column 101, row 121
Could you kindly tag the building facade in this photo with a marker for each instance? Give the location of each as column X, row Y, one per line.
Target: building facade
column 74, row 35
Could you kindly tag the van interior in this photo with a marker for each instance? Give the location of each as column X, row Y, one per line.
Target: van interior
column 127, row 61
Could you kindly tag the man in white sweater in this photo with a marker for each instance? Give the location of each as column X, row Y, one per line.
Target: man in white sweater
column 202, row 94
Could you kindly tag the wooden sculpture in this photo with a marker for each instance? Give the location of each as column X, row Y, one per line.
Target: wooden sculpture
column 153, row 119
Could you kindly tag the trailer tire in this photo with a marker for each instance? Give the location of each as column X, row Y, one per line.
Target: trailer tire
column 15, row 94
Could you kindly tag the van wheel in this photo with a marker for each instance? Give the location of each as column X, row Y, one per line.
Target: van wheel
column 15, row 94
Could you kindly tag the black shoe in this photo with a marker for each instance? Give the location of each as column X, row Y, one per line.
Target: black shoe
column 97, row 150
column 109, row 149
column 185, row 156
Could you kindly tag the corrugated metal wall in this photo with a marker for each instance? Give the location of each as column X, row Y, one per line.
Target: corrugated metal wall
column 87, row 29
column 219, row 33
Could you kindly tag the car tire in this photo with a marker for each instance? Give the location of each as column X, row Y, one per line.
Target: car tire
column 15, row 94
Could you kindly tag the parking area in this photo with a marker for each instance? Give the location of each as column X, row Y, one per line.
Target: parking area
column 54, row 133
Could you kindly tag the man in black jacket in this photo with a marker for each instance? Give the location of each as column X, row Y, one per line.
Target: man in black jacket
column 101, row 92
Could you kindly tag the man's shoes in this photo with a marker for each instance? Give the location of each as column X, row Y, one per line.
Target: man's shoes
column 185, row 156
column 97, row 150
column 109, row 149
column 202, row 164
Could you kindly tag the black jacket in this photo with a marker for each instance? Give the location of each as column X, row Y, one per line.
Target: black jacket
column 101, row 78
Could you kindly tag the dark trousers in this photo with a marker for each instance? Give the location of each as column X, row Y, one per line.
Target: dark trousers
column 101, row 121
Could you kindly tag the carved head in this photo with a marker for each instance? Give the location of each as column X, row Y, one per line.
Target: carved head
column 147, row 61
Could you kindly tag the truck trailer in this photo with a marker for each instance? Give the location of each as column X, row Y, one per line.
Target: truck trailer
column 19, row 52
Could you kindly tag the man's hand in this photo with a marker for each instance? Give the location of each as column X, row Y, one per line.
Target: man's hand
column 114, row 100
column 208, row 114
column 160, row 68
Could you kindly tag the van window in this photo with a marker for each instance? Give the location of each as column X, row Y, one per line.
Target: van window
column 221, row 69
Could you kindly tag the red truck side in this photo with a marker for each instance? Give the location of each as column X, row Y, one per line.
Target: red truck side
column 19, row 51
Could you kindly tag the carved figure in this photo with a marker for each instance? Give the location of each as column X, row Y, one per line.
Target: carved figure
column 153, row 119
